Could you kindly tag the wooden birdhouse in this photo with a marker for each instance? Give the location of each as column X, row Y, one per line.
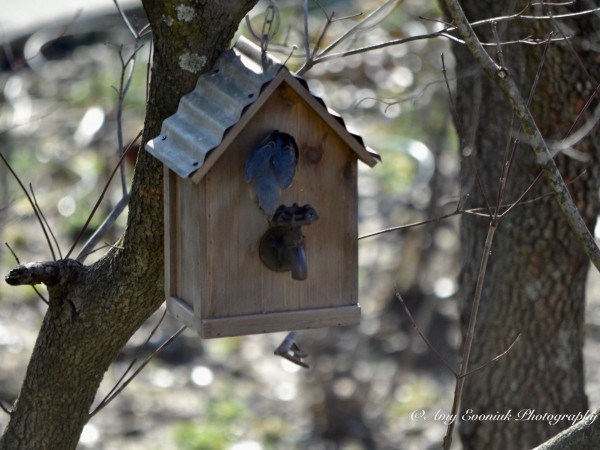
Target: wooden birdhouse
column 232, row 266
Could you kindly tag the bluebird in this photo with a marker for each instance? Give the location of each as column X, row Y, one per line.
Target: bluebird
column 271, row 168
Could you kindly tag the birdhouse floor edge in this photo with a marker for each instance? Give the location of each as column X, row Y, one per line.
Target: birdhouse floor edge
column 264, row 323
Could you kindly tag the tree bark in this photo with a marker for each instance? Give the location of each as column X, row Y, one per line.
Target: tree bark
column 95, row 309
column 581, row 436
column 537, row 271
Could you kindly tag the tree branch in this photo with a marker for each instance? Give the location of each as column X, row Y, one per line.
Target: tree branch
column 582, row 435
column 536, row 140
column 49, row 273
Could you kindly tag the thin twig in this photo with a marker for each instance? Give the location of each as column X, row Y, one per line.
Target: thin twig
column 500, row 213
column 40, row 221
column 425, row 339
column 499, row 51
column 464, row 145
column 329, row 19
column 39, row 294
column 137, row 371
column 97, row 249
column 45, row 221
column 522, row 16
column 468, row 344
column 89, row 219
column 88, row 247
column 540, row 148
column 13, row 252
column 411, row 225
column 134, row 359
column 509, row 158
column 125, row 19
column 445, row 32
column 360, row 25
column 441, row 33
column 124, row 84
column 4, row 408
column 328, row 22
column 582, row 66
column 494, row 359
column 524, row 194
column 508, row 162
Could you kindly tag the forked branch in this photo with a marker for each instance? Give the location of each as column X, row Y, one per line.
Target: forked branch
column 529, row 127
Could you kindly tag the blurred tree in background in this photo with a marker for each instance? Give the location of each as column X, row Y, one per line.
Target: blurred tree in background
column 536, row 277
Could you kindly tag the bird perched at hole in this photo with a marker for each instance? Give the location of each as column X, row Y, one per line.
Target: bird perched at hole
column 270, row 168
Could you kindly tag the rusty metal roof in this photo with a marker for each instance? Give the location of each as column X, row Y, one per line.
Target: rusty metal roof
column 216, row 104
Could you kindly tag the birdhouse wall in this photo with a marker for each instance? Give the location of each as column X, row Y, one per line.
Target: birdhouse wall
column 213, row 266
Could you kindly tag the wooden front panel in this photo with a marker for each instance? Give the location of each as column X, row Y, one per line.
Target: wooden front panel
column 185, row 246
column 236, row 281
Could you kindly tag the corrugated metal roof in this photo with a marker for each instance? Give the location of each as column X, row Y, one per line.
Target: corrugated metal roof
column 215, row 105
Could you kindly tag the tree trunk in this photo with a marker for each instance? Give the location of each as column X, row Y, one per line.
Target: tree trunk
column 95, row 309
column 537, row 272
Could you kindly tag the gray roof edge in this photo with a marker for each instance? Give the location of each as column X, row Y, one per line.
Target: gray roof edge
column 176, row 149
column 245, row 70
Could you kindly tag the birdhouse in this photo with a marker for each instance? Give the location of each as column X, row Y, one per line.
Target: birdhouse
column 260, row 200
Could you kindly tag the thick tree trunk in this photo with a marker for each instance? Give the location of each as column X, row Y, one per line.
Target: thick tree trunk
column 537, row 272
column 95, row 309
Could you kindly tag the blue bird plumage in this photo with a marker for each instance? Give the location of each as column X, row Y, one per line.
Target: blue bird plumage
column 270, row 168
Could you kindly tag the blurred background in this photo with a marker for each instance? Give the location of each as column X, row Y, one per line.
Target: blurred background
column 61, row 67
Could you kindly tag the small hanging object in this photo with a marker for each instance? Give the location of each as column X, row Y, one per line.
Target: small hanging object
column 289, row 350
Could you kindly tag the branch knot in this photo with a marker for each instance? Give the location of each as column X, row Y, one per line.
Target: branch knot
column 49, row 273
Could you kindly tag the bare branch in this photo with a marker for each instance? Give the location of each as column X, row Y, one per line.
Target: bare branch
column 12, row 252
column 524, row 194
column 468, row 344
column 467, row 149
column 566, row 145
column 494, row 359
column 39, row 294
column 49, row 273
column 367, row 23
column 508, row 161
column 45, row 221
column 37, row 214
column 89, row 219
column 124, row 84
column 429, row 344
column 411, row 225
column 105, row 400
column 156, row 352
column 4, row 408
column 127, row 65
column 126, row 20
column 499, row 51
column 540, row 148
column 88, row 247
column 445, row 32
